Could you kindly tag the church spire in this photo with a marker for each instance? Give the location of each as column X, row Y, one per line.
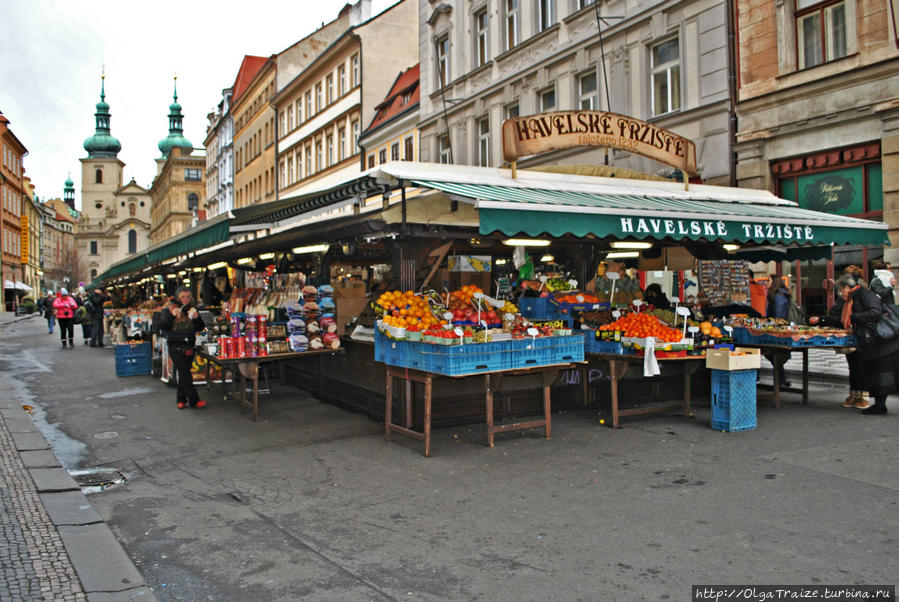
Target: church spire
column 102, row 143
column 176, row 137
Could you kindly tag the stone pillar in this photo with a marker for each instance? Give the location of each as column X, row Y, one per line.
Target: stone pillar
column 889, row 150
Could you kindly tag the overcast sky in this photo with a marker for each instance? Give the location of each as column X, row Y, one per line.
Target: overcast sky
column 54, row 50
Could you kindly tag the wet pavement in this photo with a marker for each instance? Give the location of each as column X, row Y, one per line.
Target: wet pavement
column 312, row 503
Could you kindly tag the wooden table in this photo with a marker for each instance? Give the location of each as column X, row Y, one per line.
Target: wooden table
column 248, row 368
column 492, row 384
column 618, row 364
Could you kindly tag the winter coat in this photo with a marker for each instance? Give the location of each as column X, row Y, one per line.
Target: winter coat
column 867, row 310
column 180, row 331
column 779, row 306
column 96, row 305
column 881, row 286
column 65, row 307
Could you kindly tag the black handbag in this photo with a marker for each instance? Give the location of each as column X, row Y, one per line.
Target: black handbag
column 887, row 327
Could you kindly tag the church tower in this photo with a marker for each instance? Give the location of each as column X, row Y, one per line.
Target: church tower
column 101, row 170
column 68, row 193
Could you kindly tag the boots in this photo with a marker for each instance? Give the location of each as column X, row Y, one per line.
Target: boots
column 851, row 399
column 862, row 401
column 879, row 407
column 63, row 343
column 71, row 343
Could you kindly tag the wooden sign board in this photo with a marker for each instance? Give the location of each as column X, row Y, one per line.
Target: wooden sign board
column 559, row 130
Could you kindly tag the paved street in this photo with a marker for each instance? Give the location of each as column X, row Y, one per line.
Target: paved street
column 312, row 503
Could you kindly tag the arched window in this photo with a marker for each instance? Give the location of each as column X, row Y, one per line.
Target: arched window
column 132, row 240
column 193, row 202
column 94, row 274
column 99, row 176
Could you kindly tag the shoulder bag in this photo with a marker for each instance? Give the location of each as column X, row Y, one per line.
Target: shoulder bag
column 887, row 328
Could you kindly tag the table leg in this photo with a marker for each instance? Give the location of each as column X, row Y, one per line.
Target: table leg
column 208, row 383
column 427, row 425
column 489, row 409
column 689, row 370
column 388, row 407
column 255, row 379
column 777, row 370
column 584, row 373
column 408, row 412
column 617, row 369
column 547, row 410
column 805, row 377
column 242, row 400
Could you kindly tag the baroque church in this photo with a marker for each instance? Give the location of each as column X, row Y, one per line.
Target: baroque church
column 115, row 215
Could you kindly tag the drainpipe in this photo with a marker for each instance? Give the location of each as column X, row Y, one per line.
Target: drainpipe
column 730, row 21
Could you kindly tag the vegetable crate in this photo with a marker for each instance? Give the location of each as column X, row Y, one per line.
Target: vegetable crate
column 455, row 360
column 733, row 400
column 133, row 359
column 405, row 354
column 594, row 345
column 541, row 310
column 529, row 352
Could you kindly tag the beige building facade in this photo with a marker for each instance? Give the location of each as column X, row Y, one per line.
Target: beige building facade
column 254, row 138
column 483, row 62
column 177, row 193
column 322, row 111
column 31, row 240
column 393, row 133
column 818, row 109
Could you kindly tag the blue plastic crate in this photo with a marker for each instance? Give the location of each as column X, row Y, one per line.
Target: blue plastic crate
column 734, row 400
column 594, row 345
column 455, row 360
column 544, row 351
column 133, row 360
column 540, row 309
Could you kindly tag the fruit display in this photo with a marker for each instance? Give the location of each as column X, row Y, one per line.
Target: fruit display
column 641, row 325
column 406, row 309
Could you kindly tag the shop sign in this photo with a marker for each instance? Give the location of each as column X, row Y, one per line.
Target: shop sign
column 837, row 192
column 25, row 234
column 559, row 130
column 714, row 229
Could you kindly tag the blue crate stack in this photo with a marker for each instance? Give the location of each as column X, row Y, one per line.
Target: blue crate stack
column 133, row 360
column 733, row 400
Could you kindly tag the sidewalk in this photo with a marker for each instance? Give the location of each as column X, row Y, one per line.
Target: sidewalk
column 53, row 544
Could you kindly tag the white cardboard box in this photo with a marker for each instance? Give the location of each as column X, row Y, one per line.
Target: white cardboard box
column 722, row 359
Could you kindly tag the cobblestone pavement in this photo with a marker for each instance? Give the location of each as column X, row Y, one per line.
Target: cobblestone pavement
column 34, row 562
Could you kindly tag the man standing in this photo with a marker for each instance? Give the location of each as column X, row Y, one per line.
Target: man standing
column 94, row 306
column 182, row 322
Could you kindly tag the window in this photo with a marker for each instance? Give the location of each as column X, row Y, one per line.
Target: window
column 512, row 110
column 341, row 80
column 665, row 64
column 548, row 100
column 820, row 31
column 283, row 173
column 330, row 149
column 309, row 112
column 584, row 3
column 318, row 97
column 132, row 241
column 395, row 151
column 290, row 173
column 355, row 126
column 354, row 63
column 341, row 144
column 193, row 201
column 94, row 248
column 484, row 142
column 299, row 112
column 587, row 91
column 409, row 148
column 547, row 15
column 93, row 273
column 290, row 118
column 371, row 161
column 98, row 176
column 481, row 49
column 319, row 158
column 382, row 156
column 330, row 87
column 192, row 175
column 308, row 160
column 283, row 123
column 444, row 149
column 512, row 24
column 442, row 54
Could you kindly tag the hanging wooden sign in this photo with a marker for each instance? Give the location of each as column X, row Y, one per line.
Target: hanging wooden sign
column 559, row 130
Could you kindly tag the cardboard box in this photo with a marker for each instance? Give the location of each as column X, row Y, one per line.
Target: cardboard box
column 725, row 359
column 347, row 309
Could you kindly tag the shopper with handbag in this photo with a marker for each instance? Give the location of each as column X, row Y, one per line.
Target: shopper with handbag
column 858, row 392
column 862, row 312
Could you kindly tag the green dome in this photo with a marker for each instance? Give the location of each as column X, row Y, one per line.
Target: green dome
column 69, row 182
column 176, row 138
column 102, row 143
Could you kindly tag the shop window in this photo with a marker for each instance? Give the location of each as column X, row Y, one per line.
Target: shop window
column 587, row 95
column 855, row 190
column 821, row 32
column 666, row 85
column 132, row 241
column 484, row 142
column 442, row 60
column 513, row 27
column 548, row 100
column 547, row 13
column 481, row 48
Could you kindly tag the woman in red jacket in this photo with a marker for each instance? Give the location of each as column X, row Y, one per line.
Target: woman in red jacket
column 65, row 307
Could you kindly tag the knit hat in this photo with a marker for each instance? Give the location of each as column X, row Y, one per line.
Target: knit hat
column 63, row 292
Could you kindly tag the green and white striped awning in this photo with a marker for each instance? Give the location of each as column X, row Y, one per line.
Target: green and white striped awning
column 638, row 214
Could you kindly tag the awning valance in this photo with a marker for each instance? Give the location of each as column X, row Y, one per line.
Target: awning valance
column 515, row 210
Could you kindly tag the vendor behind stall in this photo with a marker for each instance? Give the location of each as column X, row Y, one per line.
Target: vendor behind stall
column 181, row 323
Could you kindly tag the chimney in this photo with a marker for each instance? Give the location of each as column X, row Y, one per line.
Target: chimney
column 360, row 12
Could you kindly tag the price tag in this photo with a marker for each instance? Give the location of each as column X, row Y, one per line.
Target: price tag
column 573, row 283
column 448, row 316
column 580, row 298
column 616, row 314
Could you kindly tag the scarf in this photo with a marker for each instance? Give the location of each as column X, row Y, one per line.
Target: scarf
column 846, row 315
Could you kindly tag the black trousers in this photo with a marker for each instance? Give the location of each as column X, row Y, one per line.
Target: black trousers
column 856, row 371
column 97, row 332
column 182, row 359
column 66, row 329
column 86, row 331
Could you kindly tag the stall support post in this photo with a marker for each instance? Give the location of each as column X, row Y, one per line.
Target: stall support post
column 830, row 281
column 798, row 270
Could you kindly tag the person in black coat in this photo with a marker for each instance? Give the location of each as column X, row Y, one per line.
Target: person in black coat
column 655, row 297
column 95, row 303
column 858, row 392
column 861, row 311
column 181, row 323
